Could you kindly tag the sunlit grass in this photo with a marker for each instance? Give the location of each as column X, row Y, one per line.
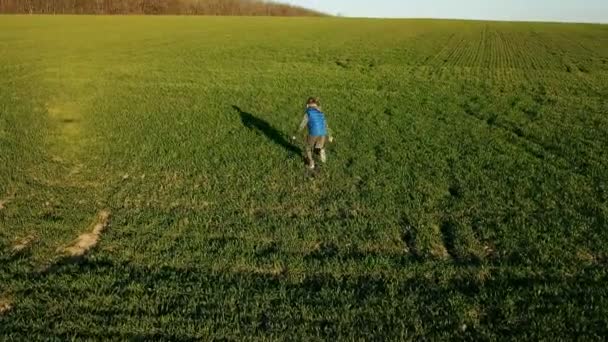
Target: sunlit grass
column 465, row 194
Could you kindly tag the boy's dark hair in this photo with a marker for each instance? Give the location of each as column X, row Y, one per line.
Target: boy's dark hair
column 312, row 100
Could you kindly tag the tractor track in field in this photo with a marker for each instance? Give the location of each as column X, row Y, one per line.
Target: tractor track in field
column 425, row 241
column 87, row 241
column 547, row 153
column 77, row 250
column 71, row 187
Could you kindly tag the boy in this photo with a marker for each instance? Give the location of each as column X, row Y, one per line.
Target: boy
column 314, row 119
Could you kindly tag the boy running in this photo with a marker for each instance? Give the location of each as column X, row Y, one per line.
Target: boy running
column 314, row 119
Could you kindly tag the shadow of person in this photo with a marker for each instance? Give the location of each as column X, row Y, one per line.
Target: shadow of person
column 274, row 135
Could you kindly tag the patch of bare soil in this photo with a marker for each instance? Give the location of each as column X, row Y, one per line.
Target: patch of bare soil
column 87, row 241
column 6, row 305
column 23, row 244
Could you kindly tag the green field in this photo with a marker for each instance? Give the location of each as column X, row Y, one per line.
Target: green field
column 466, row 195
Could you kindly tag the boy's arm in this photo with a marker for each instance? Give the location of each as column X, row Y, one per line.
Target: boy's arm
column 303, row 123
column 302, row 126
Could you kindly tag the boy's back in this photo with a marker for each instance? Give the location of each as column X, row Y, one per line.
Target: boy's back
column 317, row 125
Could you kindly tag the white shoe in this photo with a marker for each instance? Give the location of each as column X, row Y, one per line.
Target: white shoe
column 311, row 165
column 322, row 156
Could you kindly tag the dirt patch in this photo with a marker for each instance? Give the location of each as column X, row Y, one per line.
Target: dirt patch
column 87, row 241
column 23, row 244
column 3, row 204
column 584, row 255
column 273, row 270
column 489, row 251
column 6, row 305
column 439, row 251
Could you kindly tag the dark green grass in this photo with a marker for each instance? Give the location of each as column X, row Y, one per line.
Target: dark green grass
column 465, row 196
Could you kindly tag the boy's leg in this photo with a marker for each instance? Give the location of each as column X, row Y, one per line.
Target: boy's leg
column 310, row 146
column 320, row 144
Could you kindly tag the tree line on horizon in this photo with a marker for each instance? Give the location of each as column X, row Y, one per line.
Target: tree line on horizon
column 184, row 7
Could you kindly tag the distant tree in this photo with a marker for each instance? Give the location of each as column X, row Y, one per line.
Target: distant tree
column 193, row 7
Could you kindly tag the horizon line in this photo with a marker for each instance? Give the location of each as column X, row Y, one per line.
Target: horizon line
column 326, row 15
column 547, row 21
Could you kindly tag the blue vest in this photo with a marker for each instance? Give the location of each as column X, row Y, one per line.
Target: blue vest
column 316, row 122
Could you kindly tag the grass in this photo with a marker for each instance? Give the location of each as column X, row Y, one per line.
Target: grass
column 466, row 196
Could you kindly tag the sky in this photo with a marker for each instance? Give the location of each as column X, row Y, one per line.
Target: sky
column 595, row 11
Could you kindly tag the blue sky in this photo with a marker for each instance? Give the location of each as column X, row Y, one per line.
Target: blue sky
column 536, row 10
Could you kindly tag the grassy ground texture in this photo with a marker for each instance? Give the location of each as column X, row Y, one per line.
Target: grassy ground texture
column 466, row 195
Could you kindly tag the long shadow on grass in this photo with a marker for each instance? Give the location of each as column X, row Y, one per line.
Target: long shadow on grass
column 254, row 123
column 372, row 303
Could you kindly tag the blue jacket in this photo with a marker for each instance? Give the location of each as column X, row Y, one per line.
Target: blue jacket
column 317, row 126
